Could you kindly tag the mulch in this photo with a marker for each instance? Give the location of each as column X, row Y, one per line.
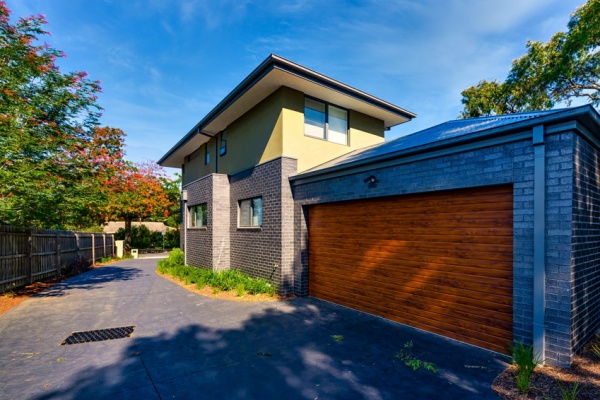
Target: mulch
column 547, row 381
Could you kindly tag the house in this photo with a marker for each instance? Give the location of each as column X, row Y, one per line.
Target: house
column 114, row 226
column 483, row 230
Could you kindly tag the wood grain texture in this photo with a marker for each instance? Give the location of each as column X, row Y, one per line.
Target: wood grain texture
column 442, row 262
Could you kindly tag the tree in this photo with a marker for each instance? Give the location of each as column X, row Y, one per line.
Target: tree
column 566, row 67
column 135, row 192
column 47, row 121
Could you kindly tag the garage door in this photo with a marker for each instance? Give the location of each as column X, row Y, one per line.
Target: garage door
column 441, row 262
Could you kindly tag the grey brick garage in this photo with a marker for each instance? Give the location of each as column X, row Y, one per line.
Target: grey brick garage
column 552, row 161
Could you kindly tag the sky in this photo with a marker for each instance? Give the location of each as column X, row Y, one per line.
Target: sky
column 164, row 64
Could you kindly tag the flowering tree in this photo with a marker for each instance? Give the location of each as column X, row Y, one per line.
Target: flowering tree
column 47, row 121
column 135, row 192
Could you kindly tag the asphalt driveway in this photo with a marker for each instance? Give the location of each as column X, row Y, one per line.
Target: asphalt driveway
column 186, row 346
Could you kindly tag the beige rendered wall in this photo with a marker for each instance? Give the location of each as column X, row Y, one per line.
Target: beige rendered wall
column 364, row 131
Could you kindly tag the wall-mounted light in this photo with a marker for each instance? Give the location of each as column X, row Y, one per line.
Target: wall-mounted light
column 370, row 180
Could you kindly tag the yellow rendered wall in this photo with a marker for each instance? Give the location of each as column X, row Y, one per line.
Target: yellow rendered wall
column 364, row 131
column 275, row 128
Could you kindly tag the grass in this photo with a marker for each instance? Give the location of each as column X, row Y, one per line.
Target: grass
column 337, row 338
column 219, row 281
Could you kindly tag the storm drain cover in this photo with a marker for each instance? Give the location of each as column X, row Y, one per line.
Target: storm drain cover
column 98, row 335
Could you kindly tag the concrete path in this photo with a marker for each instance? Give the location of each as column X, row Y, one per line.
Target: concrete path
column 186, row 346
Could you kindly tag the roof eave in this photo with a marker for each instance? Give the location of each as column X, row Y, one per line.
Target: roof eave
column 271, row 62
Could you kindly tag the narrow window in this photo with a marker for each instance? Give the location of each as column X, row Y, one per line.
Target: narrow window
column 207, row 155
column 325, row 121
column 223, row 145
column 198, row 216
column 337, row 123
column 314, row 118
column 251, row 212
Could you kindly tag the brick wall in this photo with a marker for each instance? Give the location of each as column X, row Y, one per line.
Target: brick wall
column 198, row 246
column 559, row 210
column 260, row 251
column 585, row 301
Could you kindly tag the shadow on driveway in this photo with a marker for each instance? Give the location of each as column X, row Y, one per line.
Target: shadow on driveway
column 93, row 279
column 281, row 350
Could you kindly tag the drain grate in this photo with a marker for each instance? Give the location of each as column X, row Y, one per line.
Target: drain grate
column 98, row 335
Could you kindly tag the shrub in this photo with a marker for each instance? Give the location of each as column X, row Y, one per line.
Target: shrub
column 219, row 281
column 526, row 361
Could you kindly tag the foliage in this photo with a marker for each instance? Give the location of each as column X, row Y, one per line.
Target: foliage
column 565, row 67
column 595, row 347
column 240, row 289
column 570, row 393
column 526, row 361
column 143, row 238
column 406, row 355
column 175, row 259
column 220, row 281
column 47, row 130
column 337, row 338
column 135, row 191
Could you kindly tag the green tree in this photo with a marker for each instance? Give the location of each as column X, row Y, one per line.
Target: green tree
column 47, row 135
column 135, row 192
column 565, row 67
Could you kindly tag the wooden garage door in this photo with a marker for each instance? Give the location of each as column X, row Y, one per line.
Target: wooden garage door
column 441, row 262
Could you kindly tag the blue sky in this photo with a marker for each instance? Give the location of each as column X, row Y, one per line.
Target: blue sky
column 164, row 64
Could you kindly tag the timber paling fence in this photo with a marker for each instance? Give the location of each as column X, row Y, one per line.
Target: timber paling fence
column 28, row 255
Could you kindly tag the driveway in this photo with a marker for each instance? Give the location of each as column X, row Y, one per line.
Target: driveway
column 186, row 346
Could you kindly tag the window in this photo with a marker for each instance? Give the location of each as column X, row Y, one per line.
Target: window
column 251, row 212
column 207, row 155
column 198, row 216
column 325, row 121
column 223, row 144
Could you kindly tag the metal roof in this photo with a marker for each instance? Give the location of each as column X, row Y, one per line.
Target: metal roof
column 439, row 135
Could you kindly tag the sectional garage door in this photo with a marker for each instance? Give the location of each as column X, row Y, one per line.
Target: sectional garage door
column 441, row 262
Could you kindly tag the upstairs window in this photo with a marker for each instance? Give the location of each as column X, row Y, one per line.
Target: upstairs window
column 251, row 213
column 223, row 144
column 206, row 155
column 198, row 216
column 325, row 121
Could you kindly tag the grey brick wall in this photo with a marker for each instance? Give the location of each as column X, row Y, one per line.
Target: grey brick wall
column 209, row 247
column 585, row 301
column 260, row 251
column 199, row 240
column 559, row 210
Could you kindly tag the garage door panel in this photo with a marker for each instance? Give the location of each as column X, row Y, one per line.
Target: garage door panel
column 390, row 248
column 422, row 261
column 463, row 293
column 474, row 267
column 405, row 277
column 475, row 236
column 440, row 262
column 444, row 304
column 378, row 250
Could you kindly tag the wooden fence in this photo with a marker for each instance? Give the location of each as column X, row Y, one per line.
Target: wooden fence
column 29, row 255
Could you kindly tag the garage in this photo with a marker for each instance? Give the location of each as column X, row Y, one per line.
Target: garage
column 441, row 262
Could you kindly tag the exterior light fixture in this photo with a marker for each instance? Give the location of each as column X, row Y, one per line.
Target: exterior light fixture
column 370, row 180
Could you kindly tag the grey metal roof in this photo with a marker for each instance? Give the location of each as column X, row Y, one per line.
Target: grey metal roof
column 438, row 134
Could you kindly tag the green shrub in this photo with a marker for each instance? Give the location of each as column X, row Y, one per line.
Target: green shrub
column 526, row 361
column 219, row 281
column 240, row 289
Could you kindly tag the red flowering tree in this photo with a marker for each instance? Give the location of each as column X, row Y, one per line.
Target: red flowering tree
column 47, row 130
column 135, row 192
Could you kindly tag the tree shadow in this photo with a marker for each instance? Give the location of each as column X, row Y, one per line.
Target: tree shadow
column 284, row 350
column 93, row 279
